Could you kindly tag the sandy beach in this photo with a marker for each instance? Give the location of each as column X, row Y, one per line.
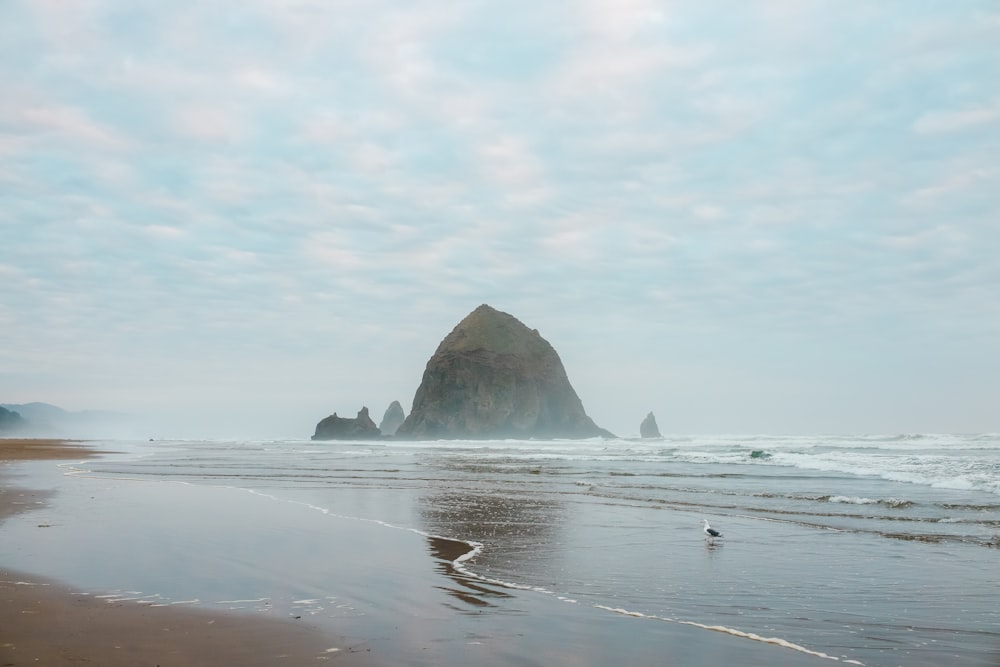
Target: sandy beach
column 547, row 553
column 403, row 602
column 45, row 623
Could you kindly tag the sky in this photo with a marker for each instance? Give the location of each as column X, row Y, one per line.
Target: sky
column 236, row 218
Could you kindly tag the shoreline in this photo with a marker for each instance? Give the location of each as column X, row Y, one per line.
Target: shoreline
column 403, row 600
column 46, row 622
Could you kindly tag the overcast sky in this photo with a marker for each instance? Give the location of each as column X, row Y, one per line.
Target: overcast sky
column 239, row 217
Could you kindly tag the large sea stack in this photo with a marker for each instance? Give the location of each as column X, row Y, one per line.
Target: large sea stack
column 493, row 377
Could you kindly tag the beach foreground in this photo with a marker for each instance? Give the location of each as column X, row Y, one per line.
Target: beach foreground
column 45, row 623
column 498, row 553
column 67, row 599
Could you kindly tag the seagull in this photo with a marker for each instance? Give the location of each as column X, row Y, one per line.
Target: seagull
column 710, row 532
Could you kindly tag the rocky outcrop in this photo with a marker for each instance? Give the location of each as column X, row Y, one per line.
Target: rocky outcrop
column 392, row 419
column 344, row 428
column 493, row 377
column 648, row 427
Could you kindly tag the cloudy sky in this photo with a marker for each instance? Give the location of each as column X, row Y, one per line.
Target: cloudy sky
column 235, row 218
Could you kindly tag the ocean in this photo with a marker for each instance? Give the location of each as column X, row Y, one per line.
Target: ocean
column 873, row 550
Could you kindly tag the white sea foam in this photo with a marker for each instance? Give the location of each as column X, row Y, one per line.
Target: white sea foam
column 966, row 471
column 777, row 641
column 24, row 583
column 852, row 501
column 962, row 462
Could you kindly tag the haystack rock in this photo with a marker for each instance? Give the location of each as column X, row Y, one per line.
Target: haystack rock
column 392, row 419
column 344, row 428
column 493, row 377
column 648, row 427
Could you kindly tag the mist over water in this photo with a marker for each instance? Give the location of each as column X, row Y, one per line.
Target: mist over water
column 876, row 549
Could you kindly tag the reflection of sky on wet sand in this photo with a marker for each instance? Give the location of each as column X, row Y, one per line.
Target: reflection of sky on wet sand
column 189, row 542
column 368, row 532
column 392, row 592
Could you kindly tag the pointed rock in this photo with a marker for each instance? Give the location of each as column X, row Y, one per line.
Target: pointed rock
column 344, row 428
column 648, row 428
column 392, row 419
column 493, row 377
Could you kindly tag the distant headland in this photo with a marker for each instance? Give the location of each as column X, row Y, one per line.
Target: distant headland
column 44, row 420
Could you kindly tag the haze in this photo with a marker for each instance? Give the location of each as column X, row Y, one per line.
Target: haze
column 238, row 218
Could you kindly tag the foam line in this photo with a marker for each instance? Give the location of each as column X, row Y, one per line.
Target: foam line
column 475, row 548
column 777, row 641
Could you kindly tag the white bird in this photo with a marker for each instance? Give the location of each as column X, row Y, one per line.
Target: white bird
column 709, row 531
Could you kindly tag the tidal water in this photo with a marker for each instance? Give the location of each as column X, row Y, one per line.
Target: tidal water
column 874, row 550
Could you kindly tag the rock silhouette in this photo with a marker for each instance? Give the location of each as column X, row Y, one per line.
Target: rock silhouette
column 493, row 377
column 392, row 419
column 648, row 427
column 344, row 428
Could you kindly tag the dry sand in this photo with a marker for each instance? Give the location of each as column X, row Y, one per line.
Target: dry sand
column 44, row 623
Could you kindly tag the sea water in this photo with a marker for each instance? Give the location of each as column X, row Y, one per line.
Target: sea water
column 878, row 550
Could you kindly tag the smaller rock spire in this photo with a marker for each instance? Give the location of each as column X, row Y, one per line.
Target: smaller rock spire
column 648, row 428
column 392, row 419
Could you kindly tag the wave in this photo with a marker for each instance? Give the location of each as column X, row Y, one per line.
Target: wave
column 896, row 503
column 955, row 462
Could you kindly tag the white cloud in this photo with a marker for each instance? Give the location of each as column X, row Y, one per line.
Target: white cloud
column 70, row 28
column 325, row 127
column 260, row 79
column 73, row 125
column 961, row 120
column 209, row 123
column 334, row 251
column 164, row 232
column 709, row 212
column 620, row 75
column 620, row 20
column 938, row 238
column 397, row 46
column 954, row 183
column 509, row 161
column 372, row 158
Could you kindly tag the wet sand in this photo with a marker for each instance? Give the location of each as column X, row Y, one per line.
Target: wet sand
column 45, row 623
column 398, row 600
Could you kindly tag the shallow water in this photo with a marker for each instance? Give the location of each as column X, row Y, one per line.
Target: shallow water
column 879, row 550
